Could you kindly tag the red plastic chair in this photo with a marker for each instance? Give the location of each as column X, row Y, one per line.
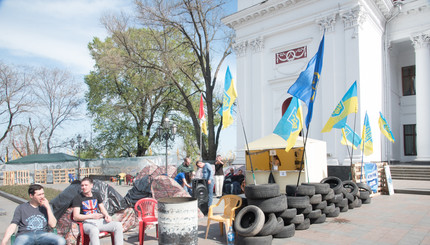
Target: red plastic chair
column 86, row 238
column 145, row 209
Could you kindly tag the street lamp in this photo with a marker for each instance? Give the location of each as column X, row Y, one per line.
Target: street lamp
column 79, row 148
column 165, row 132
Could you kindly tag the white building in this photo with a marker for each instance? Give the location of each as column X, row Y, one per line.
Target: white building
column 384, row 45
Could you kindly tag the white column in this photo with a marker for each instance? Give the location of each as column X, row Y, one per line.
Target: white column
column 421, row 44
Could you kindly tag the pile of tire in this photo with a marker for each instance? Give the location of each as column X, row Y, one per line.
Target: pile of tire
column 260, row 221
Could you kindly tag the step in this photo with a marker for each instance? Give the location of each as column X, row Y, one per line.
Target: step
column 411, row 178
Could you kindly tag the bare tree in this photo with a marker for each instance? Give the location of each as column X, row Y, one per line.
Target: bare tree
column 58, row 98
column 27, row 139
column 15, row 97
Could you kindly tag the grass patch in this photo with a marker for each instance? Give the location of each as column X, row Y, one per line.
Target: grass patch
column 22, row 191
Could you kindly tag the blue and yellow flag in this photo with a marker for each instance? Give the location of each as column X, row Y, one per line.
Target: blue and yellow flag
column 385, row 129
column 305, row 87
column 290, row 124
column 348, row 104
column 366, row 138
column 230, row 95
column 349, row 136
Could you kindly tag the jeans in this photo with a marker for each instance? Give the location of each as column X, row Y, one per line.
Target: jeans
column 219, row 181
column 39, row 237
column 211, row 192
column 92, row 228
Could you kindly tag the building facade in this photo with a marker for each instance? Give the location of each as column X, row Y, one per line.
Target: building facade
column 383, row 45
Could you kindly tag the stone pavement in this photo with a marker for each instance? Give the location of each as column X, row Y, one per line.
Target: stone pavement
column 396, row 219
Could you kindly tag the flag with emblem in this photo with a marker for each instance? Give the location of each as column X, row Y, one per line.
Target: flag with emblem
column 290, row 125
column 366, row 137
column 230, row 95
column 349, row 137
column 348, row 104
column 385, row 128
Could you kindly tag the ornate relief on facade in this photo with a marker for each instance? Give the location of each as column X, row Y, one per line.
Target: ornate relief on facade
column 256, row 44
column 240, row 48
column 327, row 23
column 290, row 55
column 421, row 41
column 353, row 18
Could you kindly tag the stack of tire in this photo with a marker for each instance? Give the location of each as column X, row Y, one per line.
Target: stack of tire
column 259, row 222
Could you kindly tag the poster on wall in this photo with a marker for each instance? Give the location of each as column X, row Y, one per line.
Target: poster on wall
column 389, row 180
column 371, row 175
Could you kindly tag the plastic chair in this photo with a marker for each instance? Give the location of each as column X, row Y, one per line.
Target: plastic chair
column 145, row 209
column 231, row 203
column 85, row 238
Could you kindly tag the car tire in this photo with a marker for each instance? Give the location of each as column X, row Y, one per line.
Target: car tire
column 270, row 205
column 286, row 232
column 334, row 182
column 249, row 221
column 262, row 191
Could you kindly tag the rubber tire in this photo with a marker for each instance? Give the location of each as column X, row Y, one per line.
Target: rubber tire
column 306, row 210
column 343, row 203
column 286, row 232
column 344, row 209
column 351, row 205
column 335, row 183
column 270, row 226
column 270, row 205
column 367, row 201
column 319, row 220
column 328, row 196
column 351, row 184
column 298, row 202
column 337, row 198
column 349, row 196
column 320, row 188
column 249, row 221
column 330, row 208
column 334, row 214
column 364, row 186
column 288, row 213
column 254, row 240
column 314, row 214
column 262, row 191
column 298, row 219
column 364, row 194
column 279, row 225
column 315, row 199
column 320, row 205
column 305, row 225
column 359, row 203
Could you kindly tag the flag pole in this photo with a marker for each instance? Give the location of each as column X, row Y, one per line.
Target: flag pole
column 303, row 156
column 246, row 141
column 201, row 142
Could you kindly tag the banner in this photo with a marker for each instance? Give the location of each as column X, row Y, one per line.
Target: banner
column 371, row 175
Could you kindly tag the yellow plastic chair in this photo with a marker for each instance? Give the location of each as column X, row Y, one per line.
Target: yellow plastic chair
column 231, row 203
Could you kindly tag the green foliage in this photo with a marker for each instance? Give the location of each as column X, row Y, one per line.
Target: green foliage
column 22, row 191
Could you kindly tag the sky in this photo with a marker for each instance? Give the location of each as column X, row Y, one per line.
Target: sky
column 55, row 33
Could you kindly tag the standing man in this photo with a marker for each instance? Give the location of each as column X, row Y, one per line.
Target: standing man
column 185, row 167
column 219, row 175
column 32, row 219
column 88, row 207
column 207, row 174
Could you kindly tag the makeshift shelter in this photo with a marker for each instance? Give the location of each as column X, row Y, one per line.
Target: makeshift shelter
column 44, row 158
column 261, row 151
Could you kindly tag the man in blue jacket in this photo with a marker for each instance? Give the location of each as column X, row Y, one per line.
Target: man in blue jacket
column 207, row 174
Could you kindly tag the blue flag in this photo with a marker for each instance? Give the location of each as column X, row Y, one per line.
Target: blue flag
column 290, row 125
column 305, row 87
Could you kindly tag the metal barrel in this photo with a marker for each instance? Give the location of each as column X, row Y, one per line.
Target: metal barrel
column 177, row 221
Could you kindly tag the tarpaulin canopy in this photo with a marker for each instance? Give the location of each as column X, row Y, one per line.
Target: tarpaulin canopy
column 44, row 158
column 274, row 141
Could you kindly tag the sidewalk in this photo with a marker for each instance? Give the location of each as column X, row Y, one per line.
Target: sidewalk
column 396, row 219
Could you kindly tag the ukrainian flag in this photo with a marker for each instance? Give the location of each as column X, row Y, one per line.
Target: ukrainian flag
column 349, row 136
column 290, row 125
column 366, row 138
column 230, row 95
column 385, row 129
column 348, row 104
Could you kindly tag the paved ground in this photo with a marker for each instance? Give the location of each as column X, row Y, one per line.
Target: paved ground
column 396, row 219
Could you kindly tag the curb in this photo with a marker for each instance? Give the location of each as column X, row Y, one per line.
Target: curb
column 410, row 191
column 13, row 198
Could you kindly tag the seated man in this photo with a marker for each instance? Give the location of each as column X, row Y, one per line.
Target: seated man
column 228, row 184
column 237, row 180
column 32, row 219
column 88, row 207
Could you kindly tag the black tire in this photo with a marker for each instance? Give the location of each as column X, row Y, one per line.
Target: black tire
column 330, row 208
column 364, row 187
column 319, row 220
column 315, row 199
column 367, row 201
column 301, row 190
column 298, row 219
column 343, row 203
column 314, row 214
column 320, row 205
column 320, row 188
column 328, row 196
column 364, row 194
column 349, row 196
column 279, row 225
column 334, row 182
column 270, row 205
column 249, row 221
column 255, row 240
column 262, row 191
column 288, row 213
column 351, row 205
column 334, row 214
column 304, row 226
column 337, row 198
column 359, row 202
column 286, row 232
column 306, row 210
column 298, row 202
column 352, row 185
column 270, row 226
column 344, row 209
column 291, row 190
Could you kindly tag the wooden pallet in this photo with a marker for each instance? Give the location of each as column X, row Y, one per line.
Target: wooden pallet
column 40, row 176
column 358, row 176
column 8, row 177
column 86, row 172
column 60, row 176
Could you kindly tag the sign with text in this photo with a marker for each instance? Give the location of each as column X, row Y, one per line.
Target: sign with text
column 371, row 175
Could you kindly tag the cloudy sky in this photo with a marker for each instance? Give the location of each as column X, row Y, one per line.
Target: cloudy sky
column 55, row 33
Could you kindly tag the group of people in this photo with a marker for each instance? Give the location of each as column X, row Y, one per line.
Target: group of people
column 35, row 218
